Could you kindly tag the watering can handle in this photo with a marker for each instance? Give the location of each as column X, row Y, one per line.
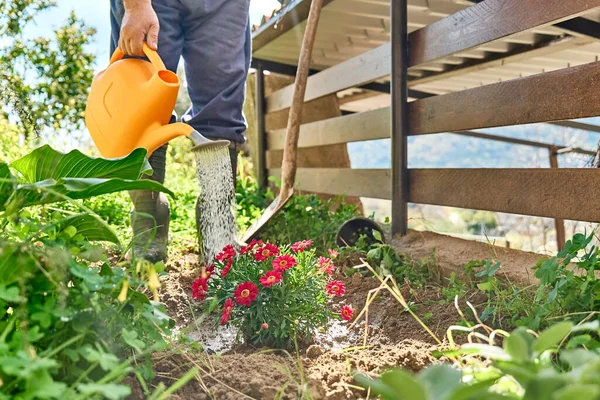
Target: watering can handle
column 151, row 54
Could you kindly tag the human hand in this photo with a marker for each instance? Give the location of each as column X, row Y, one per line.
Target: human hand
column 139, row 22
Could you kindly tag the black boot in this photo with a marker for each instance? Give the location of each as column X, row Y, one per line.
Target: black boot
column 151, row 214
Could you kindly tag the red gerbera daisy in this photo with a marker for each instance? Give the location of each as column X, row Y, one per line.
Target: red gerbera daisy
column 326, row 265
column 268, row 250
column 336, row 288
column 347, row 312
column 227, row 308
column 333, row 254
column 302, row 245
column 227, row 253
column 199, row 288
column 270, row 278
column 245, row 293
column 227, row 267
column 284, row 262
column 250, row 246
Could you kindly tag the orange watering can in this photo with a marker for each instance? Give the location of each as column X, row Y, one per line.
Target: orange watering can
column 130, row 105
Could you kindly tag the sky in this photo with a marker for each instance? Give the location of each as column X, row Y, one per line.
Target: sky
column 96, row 14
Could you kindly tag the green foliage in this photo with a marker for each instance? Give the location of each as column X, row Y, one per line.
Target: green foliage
column 44, row 81
column 308, row 216
column 526, row 367
column 293, row 306
column 72, row 325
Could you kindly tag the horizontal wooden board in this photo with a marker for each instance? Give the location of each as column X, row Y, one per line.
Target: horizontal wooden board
column 373, row 183
column 555, row 193
column 488, row 21
column 569, row 93
column 364, row 68
column 368, row 125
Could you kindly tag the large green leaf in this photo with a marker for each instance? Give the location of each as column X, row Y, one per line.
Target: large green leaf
column 440, row 380
column 46, row 163
column 50, row 190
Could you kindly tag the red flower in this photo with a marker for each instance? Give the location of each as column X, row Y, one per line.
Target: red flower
column 333, row 254
column 250, row 246
column 265, row 326
column 226, row 268
column 270, row 278
column 336, row 288
column 268, row 250
column 245, row 293
column 199, row 288
column 227, row 253
column 347, row 312
column 227, row 308
column 284, row 262
column 302, row 245
column 326, row 265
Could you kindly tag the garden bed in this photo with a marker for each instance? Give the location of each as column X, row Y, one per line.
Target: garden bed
column 230, row 370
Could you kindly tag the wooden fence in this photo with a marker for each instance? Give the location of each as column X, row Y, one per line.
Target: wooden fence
column 560, row 95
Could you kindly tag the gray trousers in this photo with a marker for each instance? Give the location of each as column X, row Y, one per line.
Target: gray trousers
column 213, row 37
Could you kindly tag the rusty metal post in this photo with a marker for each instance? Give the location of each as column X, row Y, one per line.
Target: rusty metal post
column 399, row 113
column 261, row 164
column 558, row 223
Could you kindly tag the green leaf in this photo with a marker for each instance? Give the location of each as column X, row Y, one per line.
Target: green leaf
column 46, row 163
column 578, row 357
column 377, row 236
column 107, row 390
column 107, row 361
column 440, row 380
column 487, row 351
column 479, row 390
column 130, row 337
column 518, row 345
column 544, row 386
column 87, row 225
column 552, row 336
column 11, row 294
column 42, row 386
column 7, row 183
column 485, row 286
column 405, row 385
column 578, row 391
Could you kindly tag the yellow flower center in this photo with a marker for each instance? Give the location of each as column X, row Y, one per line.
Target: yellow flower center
column 265, row 252
column 271, row 278
column 335, row 288
column 228, row 309
column 245, row 293
column 283, row 263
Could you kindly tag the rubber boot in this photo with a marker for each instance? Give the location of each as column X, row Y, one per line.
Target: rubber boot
column 233, row 154
column 151, row 214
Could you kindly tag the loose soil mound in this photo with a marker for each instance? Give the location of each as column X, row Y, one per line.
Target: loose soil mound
column 324, row 369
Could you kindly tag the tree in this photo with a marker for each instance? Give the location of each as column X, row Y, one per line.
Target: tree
column 43, row 81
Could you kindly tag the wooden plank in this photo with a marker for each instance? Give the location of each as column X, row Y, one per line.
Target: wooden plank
column 368, row 125
column 554, row 193
column 569, row 93
column 291, row 15
column 373, row 183
column 365, row 68
column 488, row 21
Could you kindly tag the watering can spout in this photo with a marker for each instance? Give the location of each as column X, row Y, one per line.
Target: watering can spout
column 169, row 132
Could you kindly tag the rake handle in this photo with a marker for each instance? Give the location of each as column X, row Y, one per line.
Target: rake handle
column 290, row 150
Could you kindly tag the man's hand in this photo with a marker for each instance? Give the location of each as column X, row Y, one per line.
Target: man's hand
column 139, row 22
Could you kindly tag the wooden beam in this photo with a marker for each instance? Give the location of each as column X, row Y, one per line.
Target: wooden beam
column 488, row 21
column 372, row 183
column 357, row 71
column 569, row 93
column 539, row 192
column 291, row 15
column 577, row 125
column 519, row 53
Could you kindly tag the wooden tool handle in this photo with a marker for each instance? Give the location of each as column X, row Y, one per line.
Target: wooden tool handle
column 288, row 168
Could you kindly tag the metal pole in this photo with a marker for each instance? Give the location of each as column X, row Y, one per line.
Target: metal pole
column 558, row 223
column 261, row 164
column 399, row 90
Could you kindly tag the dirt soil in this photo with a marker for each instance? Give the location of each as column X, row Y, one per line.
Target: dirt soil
column 233, row 370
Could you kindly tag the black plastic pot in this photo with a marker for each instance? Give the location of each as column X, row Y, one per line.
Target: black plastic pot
column 351, row 231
